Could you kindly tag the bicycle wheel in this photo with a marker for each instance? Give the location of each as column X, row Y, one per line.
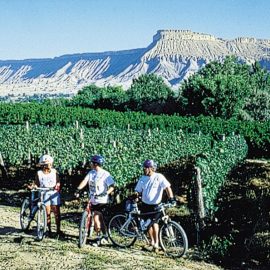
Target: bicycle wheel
column 84, row 228
column 121, row 231
column 173, row 239
column 25, row 215
column 41, row 222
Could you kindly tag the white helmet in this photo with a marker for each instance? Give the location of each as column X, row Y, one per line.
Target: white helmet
column 45, row 159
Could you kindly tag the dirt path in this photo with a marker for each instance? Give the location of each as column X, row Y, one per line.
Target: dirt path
column 19, row 250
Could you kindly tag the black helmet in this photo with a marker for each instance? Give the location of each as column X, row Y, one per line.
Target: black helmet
column 98, row 159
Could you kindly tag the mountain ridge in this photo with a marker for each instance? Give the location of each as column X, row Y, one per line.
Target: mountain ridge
column 173, row 55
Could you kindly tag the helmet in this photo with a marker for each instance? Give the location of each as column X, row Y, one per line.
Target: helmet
column 149, row 163
column 98, row 159
column 45, row 159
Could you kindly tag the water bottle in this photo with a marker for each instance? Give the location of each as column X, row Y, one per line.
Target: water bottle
column 144, row 224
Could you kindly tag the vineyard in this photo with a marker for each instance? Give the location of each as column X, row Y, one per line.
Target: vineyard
column 72, row 134
column 124, row 150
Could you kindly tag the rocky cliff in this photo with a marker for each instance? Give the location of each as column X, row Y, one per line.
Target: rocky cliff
column 173, row 54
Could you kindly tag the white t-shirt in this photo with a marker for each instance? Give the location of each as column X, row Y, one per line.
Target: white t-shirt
column 99, row 182
column 47, row 180
column 152, row 187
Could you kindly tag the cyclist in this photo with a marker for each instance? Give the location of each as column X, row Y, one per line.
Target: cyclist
column 47, row 177
column 151, row 186
column 101, row 184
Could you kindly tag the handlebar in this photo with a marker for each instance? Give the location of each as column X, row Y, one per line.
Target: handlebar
column 42, row 189
column 162, row 206
column 80, row 194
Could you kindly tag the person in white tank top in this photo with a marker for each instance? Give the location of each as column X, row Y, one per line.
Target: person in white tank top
column 48, row 177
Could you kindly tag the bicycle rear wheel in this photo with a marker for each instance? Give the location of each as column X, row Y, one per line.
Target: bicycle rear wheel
column 84, row 228
column 41, row 222
column 25, row 213
column 121, row 231
column 173, row 239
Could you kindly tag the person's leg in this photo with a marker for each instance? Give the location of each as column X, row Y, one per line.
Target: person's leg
column 97, row 222
column 155, row 235
column 48, row 211
column 57, row 216
column 151, row 235
column 55, row 201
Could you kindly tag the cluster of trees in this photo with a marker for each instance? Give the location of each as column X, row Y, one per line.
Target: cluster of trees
column 227, row 89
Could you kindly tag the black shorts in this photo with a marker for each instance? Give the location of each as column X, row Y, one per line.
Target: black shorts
column 146, row 208
column 98, row 207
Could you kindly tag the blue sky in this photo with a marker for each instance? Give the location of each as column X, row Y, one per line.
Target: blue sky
column 49, row 28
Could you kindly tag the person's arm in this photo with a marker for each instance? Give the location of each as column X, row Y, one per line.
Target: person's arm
column 169, row 192
column 57, row 186
column 34, row 184
column 83, row 183
column 171, row 197
column 80, row 187
column 110, row 189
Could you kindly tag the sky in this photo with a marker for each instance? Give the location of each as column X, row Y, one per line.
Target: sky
column 51, row 28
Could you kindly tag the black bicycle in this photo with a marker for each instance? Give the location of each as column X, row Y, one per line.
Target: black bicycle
column 124, row 229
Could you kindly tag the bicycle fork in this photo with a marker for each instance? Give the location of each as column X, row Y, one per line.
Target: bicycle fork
column 168, row 229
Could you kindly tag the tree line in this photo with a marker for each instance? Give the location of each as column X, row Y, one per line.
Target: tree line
column 226, row 89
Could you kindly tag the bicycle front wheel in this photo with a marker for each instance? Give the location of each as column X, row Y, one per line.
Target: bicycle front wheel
column 25, row 213
column 84, row 228
column 122, row 231
column 41, row 222
column 173, row 239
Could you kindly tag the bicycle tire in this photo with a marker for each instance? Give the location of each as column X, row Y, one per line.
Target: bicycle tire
column 25, row 213
column 122, row 237
column 41, row 222
column 84, row 228
column 173, row 239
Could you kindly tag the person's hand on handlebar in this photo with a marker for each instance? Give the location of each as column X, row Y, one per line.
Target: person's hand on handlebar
column 77, row 193
column 172, row 201
column 57, row 187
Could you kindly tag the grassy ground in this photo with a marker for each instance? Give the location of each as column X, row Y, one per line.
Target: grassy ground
column 19, row 250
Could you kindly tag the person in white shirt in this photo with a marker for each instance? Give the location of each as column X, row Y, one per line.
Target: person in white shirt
column 101, row 184
column 151, row 186
column 47, row 177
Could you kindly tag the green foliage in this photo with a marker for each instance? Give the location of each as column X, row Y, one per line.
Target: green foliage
column 217, row 164
column 257, row 134
column 228, row 89
column 110, row 97
column 217, row 248
column 149, row 93
column 124, row 151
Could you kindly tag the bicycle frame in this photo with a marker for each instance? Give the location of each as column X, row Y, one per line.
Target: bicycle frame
column 36, row 206
column 90, row 219
column 126, row 228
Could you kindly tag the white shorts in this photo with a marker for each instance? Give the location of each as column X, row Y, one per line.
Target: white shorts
column 52, row 197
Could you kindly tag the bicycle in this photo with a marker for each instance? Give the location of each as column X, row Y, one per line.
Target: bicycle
column 87, row 225
column 35, row 206
column 124, row 229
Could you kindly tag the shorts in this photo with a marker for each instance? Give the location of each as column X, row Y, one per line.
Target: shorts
column 52, row 197
column 146, row 208
column 98, row 207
